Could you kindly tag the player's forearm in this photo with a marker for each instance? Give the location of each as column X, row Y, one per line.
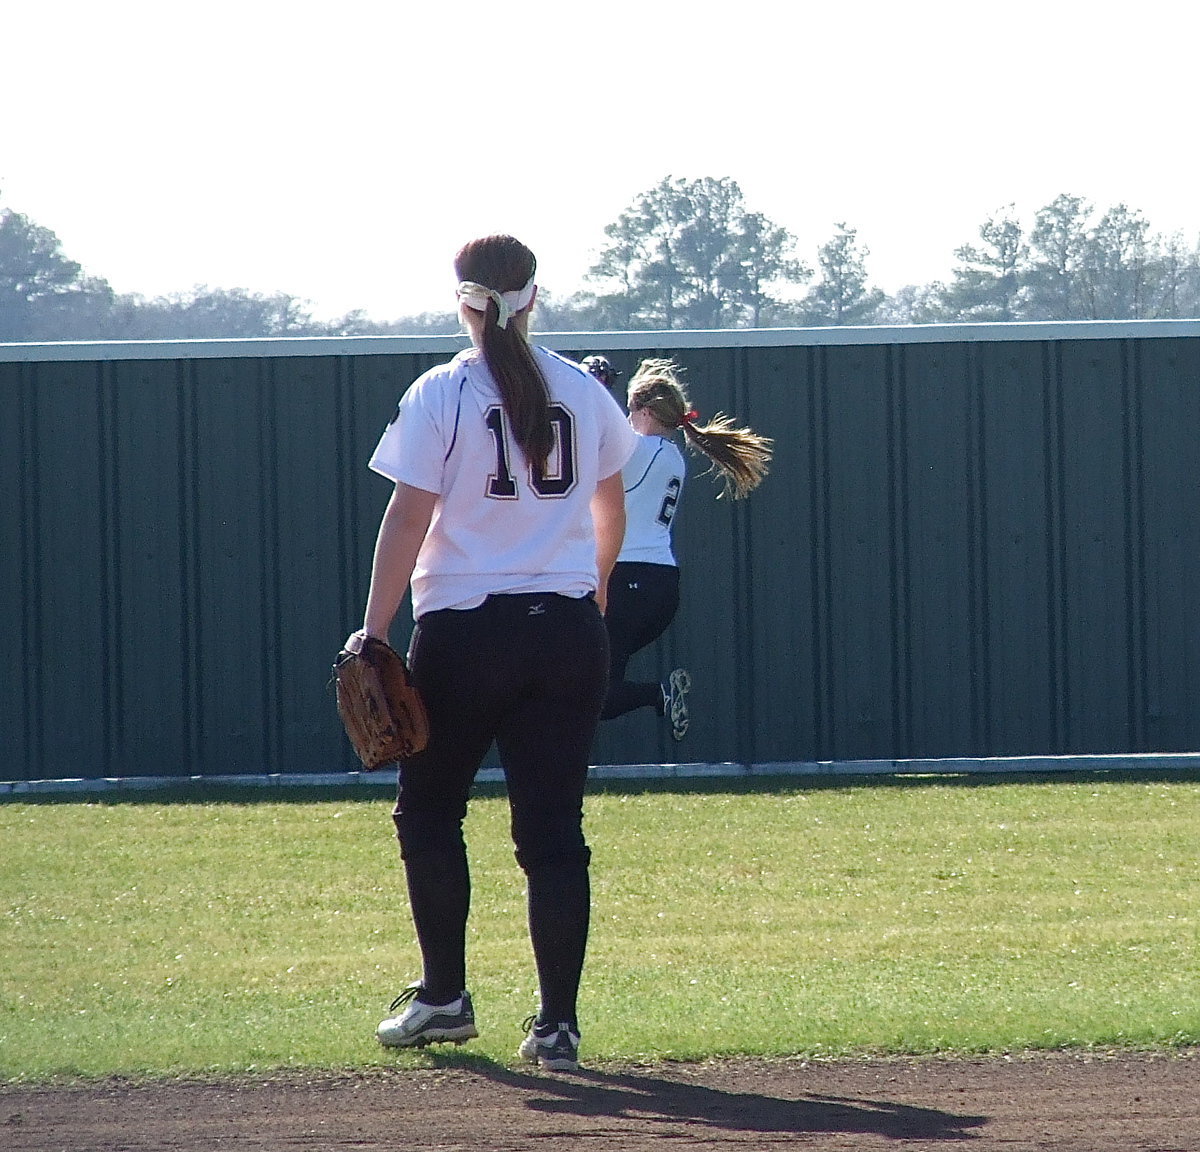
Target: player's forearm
column 401, row 534
column 608, row 516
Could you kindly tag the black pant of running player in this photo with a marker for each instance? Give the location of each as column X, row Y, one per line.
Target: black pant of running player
column 642, row 602
column 527, row 671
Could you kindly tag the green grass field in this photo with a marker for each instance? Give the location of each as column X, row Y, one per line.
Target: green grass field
column 235, row 934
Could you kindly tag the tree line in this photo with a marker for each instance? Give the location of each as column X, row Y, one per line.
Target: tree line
column 684, row 254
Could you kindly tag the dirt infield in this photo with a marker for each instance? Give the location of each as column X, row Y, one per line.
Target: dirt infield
column 1079, row 1103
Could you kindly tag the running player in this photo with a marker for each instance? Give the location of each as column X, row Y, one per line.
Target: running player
column 505, row 521
column 643, row 590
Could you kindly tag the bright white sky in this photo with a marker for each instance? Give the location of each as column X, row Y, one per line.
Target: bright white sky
column 342, row 151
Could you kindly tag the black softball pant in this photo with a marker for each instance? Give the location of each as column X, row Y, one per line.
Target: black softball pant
column 527, row 671
column 642, row 602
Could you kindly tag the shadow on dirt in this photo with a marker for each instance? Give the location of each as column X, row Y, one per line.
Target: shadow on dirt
column 663, row 1099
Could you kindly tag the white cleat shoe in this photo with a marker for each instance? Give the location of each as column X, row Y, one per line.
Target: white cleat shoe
column 420, row 1024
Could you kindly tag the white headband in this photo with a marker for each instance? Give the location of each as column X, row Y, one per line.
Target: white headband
column 508, row 304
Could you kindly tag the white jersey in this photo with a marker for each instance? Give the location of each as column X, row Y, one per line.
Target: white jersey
column 653, row 480
column 500, row 526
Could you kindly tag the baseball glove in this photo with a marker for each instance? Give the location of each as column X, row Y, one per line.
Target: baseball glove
column 381, row 710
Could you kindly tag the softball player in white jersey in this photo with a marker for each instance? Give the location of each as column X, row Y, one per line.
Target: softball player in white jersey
column 506, row 519
column 643, row 590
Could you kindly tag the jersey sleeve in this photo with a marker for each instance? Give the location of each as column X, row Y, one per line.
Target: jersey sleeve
column 412, row 450
column 618, row 440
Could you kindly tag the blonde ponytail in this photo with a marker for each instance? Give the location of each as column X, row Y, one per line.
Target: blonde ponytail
column 739, row 455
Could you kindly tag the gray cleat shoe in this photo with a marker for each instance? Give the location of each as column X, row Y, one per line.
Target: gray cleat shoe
column 554, row 1046
column 675, row 691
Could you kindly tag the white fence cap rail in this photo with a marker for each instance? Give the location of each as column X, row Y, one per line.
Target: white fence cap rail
column 603, row 341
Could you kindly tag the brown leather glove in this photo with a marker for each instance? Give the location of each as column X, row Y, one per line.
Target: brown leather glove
column 379, row 705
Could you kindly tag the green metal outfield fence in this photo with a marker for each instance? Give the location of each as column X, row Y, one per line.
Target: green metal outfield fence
column 975, row 541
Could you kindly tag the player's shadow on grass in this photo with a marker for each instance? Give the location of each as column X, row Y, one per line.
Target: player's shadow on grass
column 650, row 1099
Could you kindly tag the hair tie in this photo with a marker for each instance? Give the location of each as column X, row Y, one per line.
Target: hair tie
column 476, row 296
column 688, row 417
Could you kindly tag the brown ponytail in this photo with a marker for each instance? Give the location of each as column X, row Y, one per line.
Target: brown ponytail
column 739, row 455
column 504, row 264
